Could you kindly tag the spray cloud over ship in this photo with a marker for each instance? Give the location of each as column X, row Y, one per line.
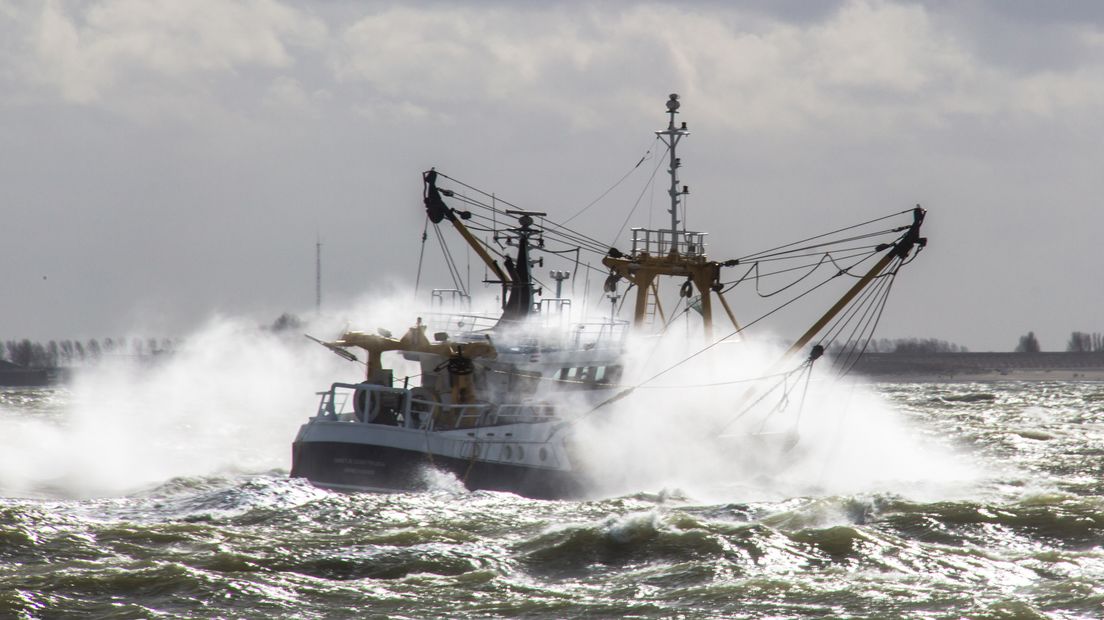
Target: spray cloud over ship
column 228, row 400
column 534, row 398
column 500, row 398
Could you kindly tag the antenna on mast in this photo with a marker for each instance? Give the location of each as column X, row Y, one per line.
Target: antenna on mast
column 671, row 137
column 669, row 252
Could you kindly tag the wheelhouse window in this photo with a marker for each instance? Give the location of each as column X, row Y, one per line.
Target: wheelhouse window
column 591, row 375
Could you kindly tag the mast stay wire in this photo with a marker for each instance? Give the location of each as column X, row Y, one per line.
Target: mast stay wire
column 854, row 347
column 830, row 233
column 651, row 179
column 841, row 271
column 870, row 304
column 806, row 366
column 789, row 257
column 862, row 304
column 569, row 248
column 738, row 330
column 783, row 255
column 630, row 389
column 759, row 275
column 767, row 274
column 421, row 255
column 572, row 236
column 859, row 310
column 495, row 209
column 825, row 257
column 870, row 333
column 647, row 155
column 867, row 250
column 566, row 236
column 454, row 271
column 858, row 340
column 578, row 241
column 791, row 284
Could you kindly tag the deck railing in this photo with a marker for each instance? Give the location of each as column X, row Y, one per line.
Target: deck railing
column 662, row 242
column 339, row 403
column 548, row 331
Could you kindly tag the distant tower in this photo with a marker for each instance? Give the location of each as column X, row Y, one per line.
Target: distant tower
column 318, row 275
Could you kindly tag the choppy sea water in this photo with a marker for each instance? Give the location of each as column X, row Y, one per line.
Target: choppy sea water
column 1022, row 541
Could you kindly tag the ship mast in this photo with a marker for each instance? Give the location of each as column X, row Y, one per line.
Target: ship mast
column 670, row 252
column 671, row 137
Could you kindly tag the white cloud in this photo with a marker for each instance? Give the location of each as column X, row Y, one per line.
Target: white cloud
column 869, row 65
column 87, row 51
column 455, row 54
column 275, row 104
column 875, row 45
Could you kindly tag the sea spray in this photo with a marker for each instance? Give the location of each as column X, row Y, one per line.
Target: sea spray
column 731, row 422
column 232, row 397
column 229, row 400
column 264, row 545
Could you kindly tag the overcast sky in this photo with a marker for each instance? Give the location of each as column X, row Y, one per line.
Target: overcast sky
column 161, row 161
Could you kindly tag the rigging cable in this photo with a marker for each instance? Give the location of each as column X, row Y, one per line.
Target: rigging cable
column 788, row 253
column 859, row 338
column 566, row 235
column 484, row 206
column 764, row 275
column 860, row 308
column 791, row 284
column 454, row 272
column 421, row 255
column 659, row 162
column 865, row 337
column 805, row 365
column 800, row 408
column 830, row 233
column 647, row 154
column 738, row 330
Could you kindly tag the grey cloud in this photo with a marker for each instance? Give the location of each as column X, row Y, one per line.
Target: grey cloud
column 187, row 168
column 86, row 55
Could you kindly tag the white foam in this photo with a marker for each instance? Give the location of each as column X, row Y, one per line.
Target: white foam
column 229, row 400
column 838, row 438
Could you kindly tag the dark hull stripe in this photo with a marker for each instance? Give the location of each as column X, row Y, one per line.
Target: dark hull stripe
column 381, row 468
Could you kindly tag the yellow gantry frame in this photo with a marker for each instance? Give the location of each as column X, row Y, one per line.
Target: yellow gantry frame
column 642, row 271
column 415, row 341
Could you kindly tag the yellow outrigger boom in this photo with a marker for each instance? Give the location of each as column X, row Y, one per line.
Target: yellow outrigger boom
column 899, row 250
column 437, row 210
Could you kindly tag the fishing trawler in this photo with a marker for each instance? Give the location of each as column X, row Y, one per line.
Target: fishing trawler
column 498, row 396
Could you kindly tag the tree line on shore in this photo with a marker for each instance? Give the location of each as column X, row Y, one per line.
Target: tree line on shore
column 62, row 353
column 59, row 353
column 901, row 345
column 914, row 345
column 1079, row 342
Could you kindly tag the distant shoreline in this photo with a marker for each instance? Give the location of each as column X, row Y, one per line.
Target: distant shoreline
column 32, row 377
column 944, row 367
column 904, row 367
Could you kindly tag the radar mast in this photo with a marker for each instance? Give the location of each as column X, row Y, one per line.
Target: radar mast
column 670, row 252
column 671, row 137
